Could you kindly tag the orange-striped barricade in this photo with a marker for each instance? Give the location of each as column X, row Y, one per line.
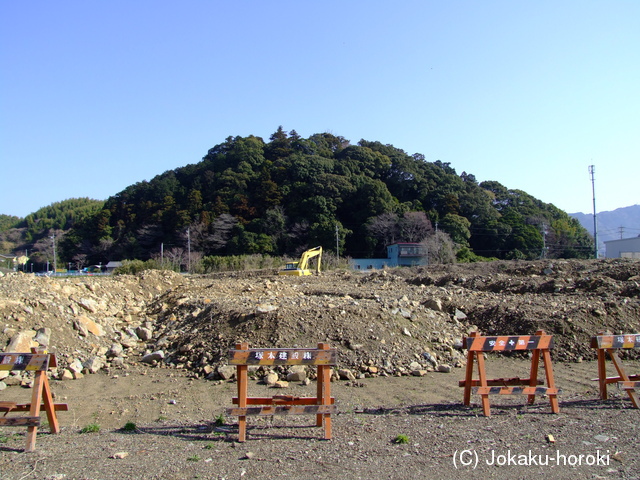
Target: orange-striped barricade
column 539, row 344
column 41, row 397
column 322, row 405
column 607, row 343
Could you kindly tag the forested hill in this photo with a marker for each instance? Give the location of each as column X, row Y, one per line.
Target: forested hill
column 290, row 193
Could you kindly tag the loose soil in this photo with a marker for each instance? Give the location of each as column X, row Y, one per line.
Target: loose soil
column 383, row 324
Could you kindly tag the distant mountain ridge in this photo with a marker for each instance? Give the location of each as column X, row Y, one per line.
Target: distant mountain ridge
column 613, row 225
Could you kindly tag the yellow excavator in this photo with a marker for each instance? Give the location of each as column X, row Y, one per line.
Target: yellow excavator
column 301, row 267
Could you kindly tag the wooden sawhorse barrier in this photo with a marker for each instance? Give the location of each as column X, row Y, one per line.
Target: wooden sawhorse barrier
column 608, row 344
column 322, row 405
column 38, row 363
column 540, row 345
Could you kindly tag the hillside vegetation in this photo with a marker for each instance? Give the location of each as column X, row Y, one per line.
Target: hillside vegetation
column 248, row 196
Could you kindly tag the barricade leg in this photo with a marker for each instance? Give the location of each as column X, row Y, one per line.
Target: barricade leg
column 468, row 378
column 624, row 377
column 324, row 394
column 242, row 382
column 482, row 373
column 553, row 398
column 533, row 373
column 34, row 409
column 602, row 373
column 50, row 408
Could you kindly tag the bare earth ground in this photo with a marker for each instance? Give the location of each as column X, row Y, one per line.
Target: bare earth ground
column 385, row 326
column 177, row 438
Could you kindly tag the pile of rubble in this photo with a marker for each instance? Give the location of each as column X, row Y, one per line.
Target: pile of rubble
column 395, row 322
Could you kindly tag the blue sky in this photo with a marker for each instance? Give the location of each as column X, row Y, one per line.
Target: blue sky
column 96, row 96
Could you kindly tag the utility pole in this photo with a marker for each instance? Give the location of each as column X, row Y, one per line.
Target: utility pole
column 592, row 171
column 337, row 244
column 188, row 251
column 53, row 241
column 544, row 241
column 621, row 232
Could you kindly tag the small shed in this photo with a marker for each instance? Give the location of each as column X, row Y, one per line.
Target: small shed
column 111, row 266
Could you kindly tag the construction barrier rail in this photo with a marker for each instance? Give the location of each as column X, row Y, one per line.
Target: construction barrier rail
column 38, row 363
column 322, row 405
column 540, row 344
column 607, row 343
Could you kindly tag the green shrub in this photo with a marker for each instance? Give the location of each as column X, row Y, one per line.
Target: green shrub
column 129, row 427
column 401, row 439
column 91, row 428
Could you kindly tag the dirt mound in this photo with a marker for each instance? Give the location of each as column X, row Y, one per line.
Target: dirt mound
column 388, row 322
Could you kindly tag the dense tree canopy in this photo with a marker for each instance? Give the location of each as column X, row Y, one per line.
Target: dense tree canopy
column 290, row 193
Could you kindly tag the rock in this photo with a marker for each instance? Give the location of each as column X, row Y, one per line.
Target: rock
column 2, row 386
column 415, row 366
column 88, row 304
column 120, row 455
column 459, row 315
column 43, row 336
column 13, row 380
column 90, row 325
column 226, row 372
column 145, row 334
column 153, row 357
column 405, row 331
column 431, row 358
column 444, row 368
column 297, row 373
column 94, row 364
column 281, row 384
column 270, row 378
column 418, row 373
column 115, row 350
column 434, row 304
column 22, row 342
column 129, row 341
column 102, row 351
column 66, row 374
column 346, row 374
column 82, row 330
column 265, row 308
column 117, row 362
column 75, row 366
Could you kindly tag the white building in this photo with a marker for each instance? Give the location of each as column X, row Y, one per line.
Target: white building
column 625, row 248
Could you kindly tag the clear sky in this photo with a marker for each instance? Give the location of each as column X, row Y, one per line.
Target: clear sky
column 98, row 95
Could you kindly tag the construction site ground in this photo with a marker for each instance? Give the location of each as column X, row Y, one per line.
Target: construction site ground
column 399, row 340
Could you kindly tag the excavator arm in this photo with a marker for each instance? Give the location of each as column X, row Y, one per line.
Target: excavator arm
column 308, row 255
